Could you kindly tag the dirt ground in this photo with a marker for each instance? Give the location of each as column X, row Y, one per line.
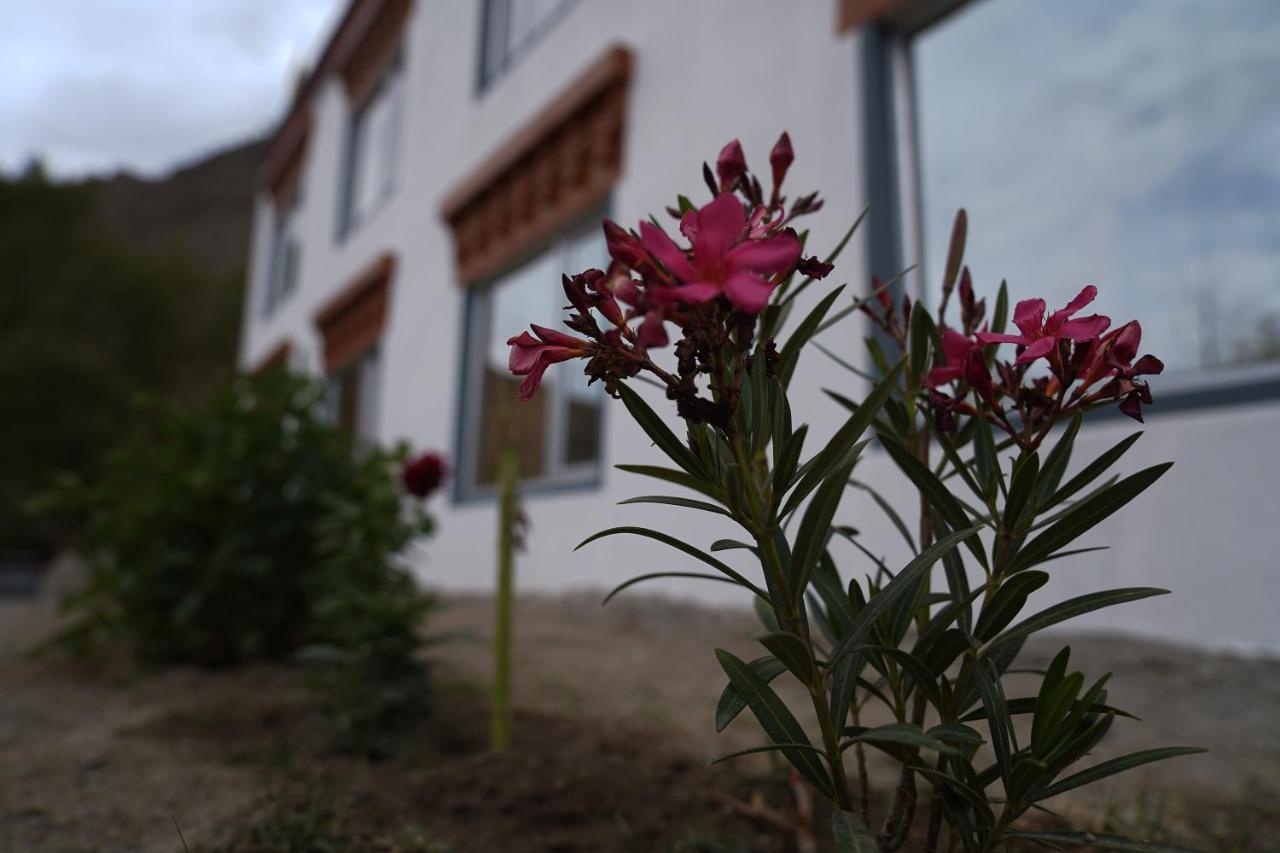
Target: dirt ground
column 613, row 739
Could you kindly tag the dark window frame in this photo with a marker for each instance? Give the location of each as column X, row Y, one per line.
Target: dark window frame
column 497, row 13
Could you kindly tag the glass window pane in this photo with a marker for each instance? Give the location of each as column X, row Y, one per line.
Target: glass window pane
column 1129, row 145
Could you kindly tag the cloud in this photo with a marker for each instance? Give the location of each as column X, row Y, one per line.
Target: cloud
column 147, row 84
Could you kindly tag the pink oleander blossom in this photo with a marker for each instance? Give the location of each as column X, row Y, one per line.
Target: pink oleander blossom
column 530, row 356
column 723, row 262
column 1040, row 335
column 956, row 348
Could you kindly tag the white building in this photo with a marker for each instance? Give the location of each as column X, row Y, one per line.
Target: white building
column 447, row 160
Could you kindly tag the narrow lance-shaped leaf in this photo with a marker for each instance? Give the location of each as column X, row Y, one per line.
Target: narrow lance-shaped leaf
column 939, row 497
column 732, row 702
column 851, row 834
column 659, row 432
column 685, row 547
column 1070, row 609
column 776, row 720
column 1117, row 765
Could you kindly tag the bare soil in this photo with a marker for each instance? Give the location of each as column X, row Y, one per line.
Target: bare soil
column 613, row 738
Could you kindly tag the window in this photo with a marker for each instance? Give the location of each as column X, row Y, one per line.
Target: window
column 1132, row 145
column 557, row 433
column 282, row 265
column 372, row 148
column 353, row 399
column 509, row 28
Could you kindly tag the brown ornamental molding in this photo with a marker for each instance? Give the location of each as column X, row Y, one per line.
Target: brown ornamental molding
column 364, row 41
column 553, row 170
column 282, row 168
column 380, row 43
column 353, row 321
column 278, row 358
column 902, row 15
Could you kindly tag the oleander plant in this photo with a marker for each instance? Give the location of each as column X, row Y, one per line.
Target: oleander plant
column 980, row 418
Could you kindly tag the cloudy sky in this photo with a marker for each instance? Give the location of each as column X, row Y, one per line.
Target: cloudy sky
column 98, row 85
column 1134, row 145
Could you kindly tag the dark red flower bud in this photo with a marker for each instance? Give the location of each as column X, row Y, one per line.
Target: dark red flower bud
column 730, row 165
column 623, row 247
column 423, row 475
column 780, row 160
column 575, row 289
column 814, row 268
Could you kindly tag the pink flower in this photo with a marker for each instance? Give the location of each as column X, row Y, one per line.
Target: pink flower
column 423, row 475
column 1041, row 336
column 722, row 261
column 730, row 165
column 956, row 348
column 530, row 356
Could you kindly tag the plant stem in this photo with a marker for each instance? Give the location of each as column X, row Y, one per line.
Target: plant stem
column 500, row 724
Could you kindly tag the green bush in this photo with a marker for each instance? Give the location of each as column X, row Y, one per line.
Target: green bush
column 246, row 532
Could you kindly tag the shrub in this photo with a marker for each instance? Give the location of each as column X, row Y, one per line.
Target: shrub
column 245, row 532
column 932, row 640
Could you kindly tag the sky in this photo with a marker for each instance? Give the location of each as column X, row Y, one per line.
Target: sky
column 95, row 86
column 1134, row 146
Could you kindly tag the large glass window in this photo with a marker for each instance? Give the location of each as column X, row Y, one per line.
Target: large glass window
column 282, row 265
column 1131, row 145
column 353, row 398
column 372, row 151
column 556, row 434
column 510, row 28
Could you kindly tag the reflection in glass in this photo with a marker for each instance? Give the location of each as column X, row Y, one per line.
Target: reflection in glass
column 1130, row 145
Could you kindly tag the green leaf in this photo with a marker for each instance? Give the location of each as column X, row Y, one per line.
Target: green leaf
column 732, row 702
column 922, row 339
column 680, row 478
column 851, row 834
column 1000, row 316
column 778, row 722
column 1090, row 472
column 659, row 432
column 687, row 503
column 936, row 492
column 793, row 653
column 773, row 747
column 957, row 733
column 843, row 442
column 732, row 545
column 1117, row 765
column 905, row 734
column 1021, row 489
column 1027, row 705
column 789, row 357
column 1007, row 603
column 641, row 578
column 844, row 679
column 1055, row 464
column 1066, row 840
column 997, row 714
column 1069, row 609
column 904, row 583
column 815, row 528
column 685, row 547
column 1084, row 516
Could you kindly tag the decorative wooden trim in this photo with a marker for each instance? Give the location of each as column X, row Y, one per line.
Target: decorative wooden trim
column 380, row 44
column 281, row 172
column 550, row 172
column 352, row 321
column 364, row 40
column 906, row 16
column 278, row 358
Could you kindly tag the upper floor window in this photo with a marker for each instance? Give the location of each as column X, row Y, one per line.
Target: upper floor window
column 511, row 27
column 557, row 434
column 372, row 149
column 282, row 263
column 1132, row 145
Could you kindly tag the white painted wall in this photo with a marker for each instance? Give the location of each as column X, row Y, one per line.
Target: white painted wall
column 698, row 81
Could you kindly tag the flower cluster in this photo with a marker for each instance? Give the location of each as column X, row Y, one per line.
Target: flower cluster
column 423, row 474
column 740, row 248
column 1063, row 363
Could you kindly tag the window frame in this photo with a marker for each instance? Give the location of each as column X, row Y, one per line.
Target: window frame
column 391, row 77
column 284, row 256
column 494, row 13
column 586, row 476
column 892, row 176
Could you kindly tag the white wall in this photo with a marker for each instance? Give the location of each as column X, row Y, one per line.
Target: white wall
column 699, row 80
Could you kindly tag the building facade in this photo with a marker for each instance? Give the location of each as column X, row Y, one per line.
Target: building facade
column 446, row 161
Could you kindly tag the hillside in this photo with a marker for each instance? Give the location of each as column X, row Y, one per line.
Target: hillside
column 205, row 207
